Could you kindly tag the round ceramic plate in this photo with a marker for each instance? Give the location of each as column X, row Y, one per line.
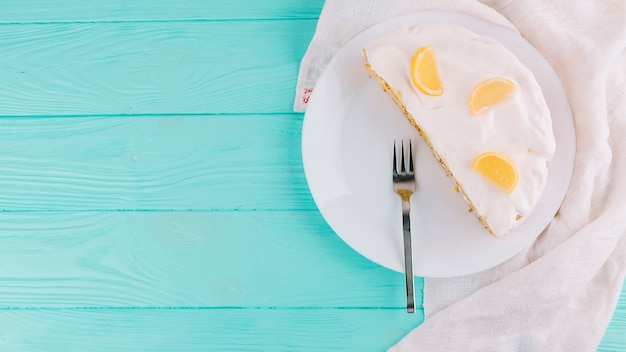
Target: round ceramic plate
column 347, row 138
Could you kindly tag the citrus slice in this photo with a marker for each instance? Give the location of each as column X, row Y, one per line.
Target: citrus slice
column 489, row 93
column 498, row 169
column 425, row 73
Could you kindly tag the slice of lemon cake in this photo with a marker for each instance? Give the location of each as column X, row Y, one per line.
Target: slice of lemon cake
column 480, row 110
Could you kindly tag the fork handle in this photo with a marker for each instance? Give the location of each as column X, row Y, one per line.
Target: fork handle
column 408, row 257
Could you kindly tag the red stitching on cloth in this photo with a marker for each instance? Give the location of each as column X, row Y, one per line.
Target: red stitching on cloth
column 306, row 95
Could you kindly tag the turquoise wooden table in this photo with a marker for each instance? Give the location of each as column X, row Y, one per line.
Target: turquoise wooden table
column 152, row 189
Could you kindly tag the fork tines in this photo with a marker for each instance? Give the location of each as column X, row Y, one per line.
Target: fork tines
column 403, row 170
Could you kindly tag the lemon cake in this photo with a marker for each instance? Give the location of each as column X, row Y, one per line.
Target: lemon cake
column 480, row 110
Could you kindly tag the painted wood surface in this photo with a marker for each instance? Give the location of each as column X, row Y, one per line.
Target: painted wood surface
column 152, row 192
column 238, row 259
column 165, row 162
column 39, row 11
column 159, row 68
column 204, row 329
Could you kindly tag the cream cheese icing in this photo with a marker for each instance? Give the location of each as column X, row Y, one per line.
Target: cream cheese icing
column 519, row 127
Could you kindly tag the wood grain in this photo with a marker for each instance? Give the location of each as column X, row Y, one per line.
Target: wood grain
column 37, row 11
column 216, row 330
column 234, row 162
column 186, row 259
column 615, row 335
column 151, row 68
column 203, row 330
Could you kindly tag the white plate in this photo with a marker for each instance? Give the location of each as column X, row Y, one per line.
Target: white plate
column 347, row 139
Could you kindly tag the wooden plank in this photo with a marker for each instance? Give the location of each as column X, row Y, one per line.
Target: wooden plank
column 29, row 11
column 151, row 68
column 615, row 335
column 153, row 163
column 212, row 330
column 243, row 260
column 203, row 330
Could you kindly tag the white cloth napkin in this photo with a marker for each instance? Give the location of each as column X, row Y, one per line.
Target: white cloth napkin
column 560, row 293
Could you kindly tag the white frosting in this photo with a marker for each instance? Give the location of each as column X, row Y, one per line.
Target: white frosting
column 520, row 127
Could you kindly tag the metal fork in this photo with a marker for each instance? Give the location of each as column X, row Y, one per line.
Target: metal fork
column 404, row 186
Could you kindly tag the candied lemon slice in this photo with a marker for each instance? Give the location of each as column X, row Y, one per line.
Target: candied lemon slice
column 498, row 169
column 489, row 93
column 425, row 72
